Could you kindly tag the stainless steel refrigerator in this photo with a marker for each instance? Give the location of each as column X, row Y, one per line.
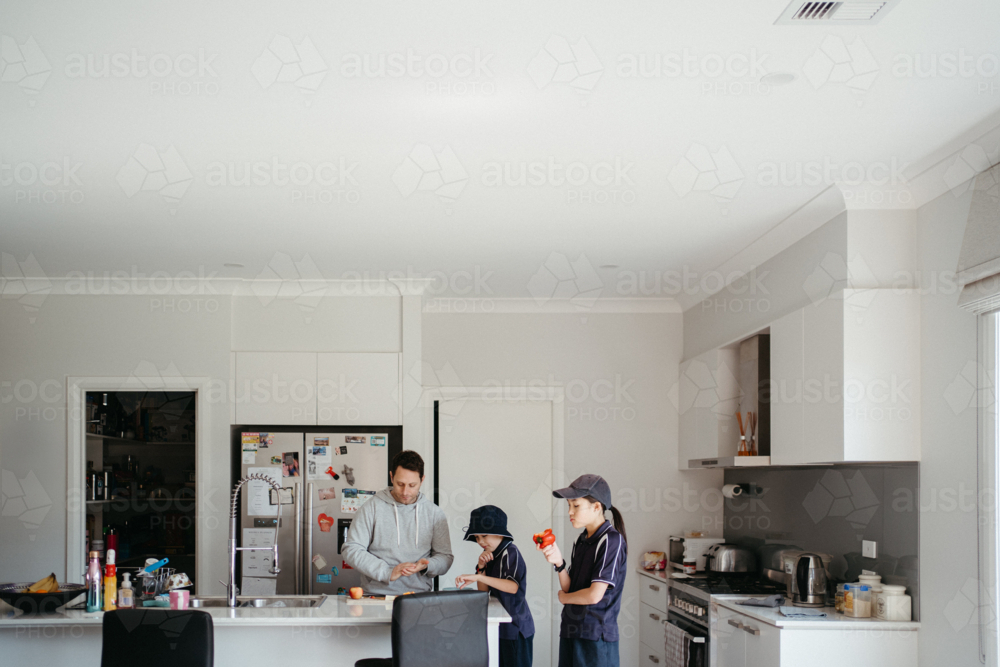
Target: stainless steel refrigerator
column 326, row 476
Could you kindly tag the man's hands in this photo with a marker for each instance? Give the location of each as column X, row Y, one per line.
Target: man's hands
column 407, row 569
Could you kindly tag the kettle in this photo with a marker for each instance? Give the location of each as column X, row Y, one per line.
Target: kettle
column 807, row 581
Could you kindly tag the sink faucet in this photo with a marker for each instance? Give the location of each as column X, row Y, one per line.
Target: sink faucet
column 233, row 512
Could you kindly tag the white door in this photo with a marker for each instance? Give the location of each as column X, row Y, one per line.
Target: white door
column 728, row 640
column 500, row 453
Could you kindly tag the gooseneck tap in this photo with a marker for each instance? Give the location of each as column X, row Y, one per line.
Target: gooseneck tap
column 233, row 513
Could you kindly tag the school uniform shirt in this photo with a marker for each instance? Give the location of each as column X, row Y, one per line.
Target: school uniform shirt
column 599, row 558
column 508, row 563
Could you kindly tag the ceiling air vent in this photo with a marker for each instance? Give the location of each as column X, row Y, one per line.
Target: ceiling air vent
column 827, row 13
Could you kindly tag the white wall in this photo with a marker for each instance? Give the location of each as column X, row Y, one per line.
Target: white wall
column 110, row 336
column 630, row 439
column 948, row 547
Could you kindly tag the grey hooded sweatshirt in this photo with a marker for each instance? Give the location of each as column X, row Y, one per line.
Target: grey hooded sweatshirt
column 385, row 533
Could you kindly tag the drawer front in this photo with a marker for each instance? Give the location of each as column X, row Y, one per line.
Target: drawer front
column 651, row 657
column 653, row 593
column 651, row 626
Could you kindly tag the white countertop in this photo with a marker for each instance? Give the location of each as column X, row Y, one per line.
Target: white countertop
column 334, row 610
column 832, row 620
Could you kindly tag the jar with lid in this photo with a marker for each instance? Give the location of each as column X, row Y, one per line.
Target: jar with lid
column 690, row 566
column 857, row 601
column 838, row 599
column 892, row 604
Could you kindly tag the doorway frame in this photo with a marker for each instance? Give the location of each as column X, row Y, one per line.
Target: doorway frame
column 554, row 394
column 76, row 451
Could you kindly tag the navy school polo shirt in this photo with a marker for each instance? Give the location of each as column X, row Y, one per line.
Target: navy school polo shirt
column 600, row 558
column 508, row 563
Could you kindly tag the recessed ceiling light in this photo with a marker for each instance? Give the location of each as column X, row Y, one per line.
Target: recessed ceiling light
column 234, row 266
column 778, row 78
column 608, row 266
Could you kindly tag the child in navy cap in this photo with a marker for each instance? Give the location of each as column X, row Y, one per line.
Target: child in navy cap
column 502, row 572
column 591, row 587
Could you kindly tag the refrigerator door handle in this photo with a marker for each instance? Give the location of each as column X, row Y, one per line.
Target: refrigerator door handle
column 298, row 540
column 307, row 563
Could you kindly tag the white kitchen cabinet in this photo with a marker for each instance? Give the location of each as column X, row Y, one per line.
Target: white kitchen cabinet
column 708, row 395
column 276, row 388
column 358, row 388
column 846, row 380
column 729, row 641
column 763, row 648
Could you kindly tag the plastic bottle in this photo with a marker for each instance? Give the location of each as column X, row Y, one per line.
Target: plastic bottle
column 110, row 583
column 94, row 583
column 126, row 599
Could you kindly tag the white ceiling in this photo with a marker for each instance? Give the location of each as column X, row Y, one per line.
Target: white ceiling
column 523, row 106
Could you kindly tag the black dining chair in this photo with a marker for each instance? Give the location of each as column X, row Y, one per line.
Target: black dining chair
column 443, row 629
column 157, row 638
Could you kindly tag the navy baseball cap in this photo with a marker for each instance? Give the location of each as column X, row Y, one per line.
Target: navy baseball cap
column 587, row 485
column 487, row 520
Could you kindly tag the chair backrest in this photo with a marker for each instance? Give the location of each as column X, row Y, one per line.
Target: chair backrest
column 444, row 629
column 157, row 638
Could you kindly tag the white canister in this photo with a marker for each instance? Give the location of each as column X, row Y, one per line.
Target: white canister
column 892, row 604
column 869, row 579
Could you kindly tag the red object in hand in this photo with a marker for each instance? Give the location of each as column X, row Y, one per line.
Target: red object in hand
column 544, row 539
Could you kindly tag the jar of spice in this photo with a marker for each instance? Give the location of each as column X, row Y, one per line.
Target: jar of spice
column 838, row 599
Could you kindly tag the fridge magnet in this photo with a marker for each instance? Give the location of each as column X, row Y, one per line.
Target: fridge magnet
column 319, row 561
column 344, row 565
column 324, row 578
column 355, row 439
column 348, row 472
column 276, row 460
column 321, row 442
column 325, row 522
column 340, row 451
column 286, row 496
column 349, row 501
column 264, row 440
column 377, row 441
column 335, row 571
column 341, row 591
column 290, row 464
column 328, row 494
column 250, row 457
column 250, row 441
column 329, row 471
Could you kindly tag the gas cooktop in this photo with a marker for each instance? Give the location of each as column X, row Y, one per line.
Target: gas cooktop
column 728, row 584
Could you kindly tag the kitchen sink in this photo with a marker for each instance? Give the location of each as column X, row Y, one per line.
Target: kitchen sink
column 258, row 601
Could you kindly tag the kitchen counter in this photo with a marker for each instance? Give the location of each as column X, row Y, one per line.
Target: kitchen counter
column 832, row 620
column 335, row 633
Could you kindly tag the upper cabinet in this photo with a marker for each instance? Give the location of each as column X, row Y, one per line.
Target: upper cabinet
column 845, row 380
column 708, row 395
column 359, row 389
column 311, row 389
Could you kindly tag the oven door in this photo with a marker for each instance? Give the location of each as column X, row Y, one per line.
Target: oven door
column 698, row 654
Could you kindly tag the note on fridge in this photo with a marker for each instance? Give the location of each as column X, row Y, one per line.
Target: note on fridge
column 258, row 496
column 258, row 563
column 259, row 586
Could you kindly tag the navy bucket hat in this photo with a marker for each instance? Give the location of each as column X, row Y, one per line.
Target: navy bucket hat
column 487, row 520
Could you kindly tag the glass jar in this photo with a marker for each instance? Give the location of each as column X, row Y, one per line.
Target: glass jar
column 838, row 599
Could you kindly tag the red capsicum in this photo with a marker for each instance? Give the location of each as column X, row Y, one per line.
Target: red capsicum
column 544, row 539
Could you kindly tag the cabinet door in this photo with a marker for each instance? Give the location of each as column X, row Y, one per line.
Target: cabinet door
column 276, row 388
column 823, row 385
column 729, row 640
column 785, row 392
column 762, row 644
column 358, row 389
column 708, row 397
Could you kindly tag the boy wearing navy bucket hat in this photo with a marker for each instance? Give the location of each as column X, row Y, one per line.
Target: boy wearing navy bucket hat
column 591, row 583
column 501, row 571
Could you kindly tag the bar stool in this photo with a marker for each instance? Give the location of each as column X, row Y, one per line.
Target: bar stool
column 157, row 638
column 436, row 629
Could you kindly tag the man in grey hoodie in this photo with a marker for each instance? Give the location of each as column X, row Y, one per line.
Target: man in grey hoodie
column 399, row 540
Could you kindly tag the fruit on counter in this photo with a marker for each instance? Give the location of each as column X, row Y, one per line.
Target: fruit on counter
column 356, row 593
column 47, row 585
column 545, row 538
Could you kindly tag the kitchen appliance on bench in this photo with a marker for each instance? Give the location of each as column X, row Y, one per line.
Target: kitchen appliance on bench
column 690, row 548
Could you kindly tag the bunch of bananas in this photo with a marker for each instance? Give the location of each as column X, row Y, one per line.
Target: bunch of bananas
column 47, row 585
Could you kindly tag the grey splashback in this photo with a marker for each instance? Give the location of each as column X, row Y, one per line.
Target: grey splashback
column 832, row 509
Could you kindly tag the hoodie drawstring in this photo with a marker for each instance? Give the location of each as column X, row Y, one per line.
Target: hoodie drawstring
column 416, row 510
